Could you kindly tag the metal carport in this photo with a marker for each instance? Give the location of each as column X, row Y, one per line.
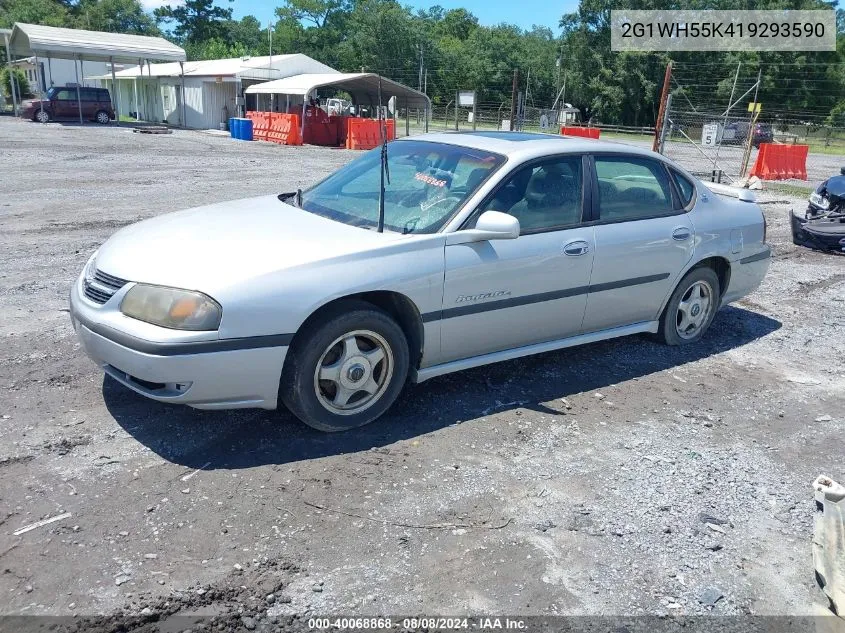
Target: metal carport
column 80, row 45
column 363, row 87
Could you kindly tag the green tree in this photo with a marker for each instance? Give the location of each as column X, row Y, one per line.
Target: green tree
column 46, row 12
column 196, row 20
column 214, row 48
column 115, row 16
column 247, row 33
column 20, row 81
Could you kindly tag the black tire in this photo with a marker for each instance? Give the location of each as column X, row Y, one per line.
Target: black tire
column 38, row 113
column 299, row 386
column 668, row 332
column 102, row 117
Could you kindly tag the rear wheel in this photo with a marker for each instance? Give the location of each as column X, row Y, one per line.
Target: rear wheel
column 346, row 368
column 691, row 308
column 103, row 117
column 41, row 116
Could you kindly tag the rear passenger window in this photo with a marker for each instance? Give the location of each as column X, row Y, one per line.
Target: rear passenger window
column 632, row 188
column 542, row 197
column 685, row 188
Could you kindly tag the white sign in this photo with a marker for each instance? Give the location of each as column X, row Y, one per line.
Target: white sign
column 710, row 134
column 506, row 125
column 466, row 98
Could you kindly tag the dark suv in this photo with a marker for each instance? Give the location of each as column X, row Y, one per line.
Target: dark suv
column 62, row 102
column 736, row 133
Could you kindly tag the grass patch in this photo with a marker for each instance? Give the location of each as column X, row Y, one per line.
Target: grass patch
column 798, row 191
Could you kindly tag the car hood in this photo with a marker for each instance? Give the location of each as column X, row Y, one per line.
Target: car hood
column 210, row 248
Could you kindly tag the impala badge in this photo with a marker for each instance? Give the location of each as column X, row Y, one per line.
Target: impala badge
column 495, row 294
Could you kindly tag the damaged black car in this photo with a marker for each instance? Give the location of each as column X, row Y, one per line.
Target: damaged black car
column 822, row 225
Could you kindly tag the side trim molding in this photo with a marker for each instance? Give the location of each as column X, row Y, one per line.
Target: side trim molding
column 765, row 254
column 537, row 348
column 540, row 297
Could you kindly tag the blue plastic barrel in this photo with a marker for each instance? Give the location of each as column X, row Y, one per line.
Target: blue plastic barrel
column 246, row 129
column 232, row 127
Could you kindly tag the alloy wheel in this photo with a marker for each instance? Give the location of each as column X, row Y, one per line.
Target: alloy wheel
column 694, row 309
column 353, row 372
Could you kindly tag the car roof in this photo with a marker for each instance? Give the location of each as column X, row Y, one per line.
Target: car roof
column 527, row 145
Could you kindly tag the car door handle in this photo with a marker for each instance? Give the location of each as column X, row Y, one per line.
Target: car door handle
column 578, row 247
column 681, row 234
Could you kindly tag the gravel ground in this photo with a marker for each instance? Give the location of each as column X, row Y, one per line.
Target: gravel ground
column 618, row 478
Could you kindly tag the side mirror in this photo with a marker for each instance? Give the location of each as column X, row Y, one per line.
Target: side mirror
column 491, row 225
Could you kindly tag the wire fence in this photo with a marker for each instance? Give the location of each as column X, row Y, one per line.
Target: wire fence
column 723, row 148
column 711, row 132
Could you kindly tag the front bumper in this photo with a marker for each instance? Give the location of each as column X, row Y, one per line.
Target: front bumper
column 212, row 374
column 826, row 236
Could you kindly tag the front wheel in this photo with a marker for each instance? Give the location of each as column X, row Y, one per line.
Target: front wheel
column 42, row 116
column 691, row 308
column 103, row 117
column 346, row 368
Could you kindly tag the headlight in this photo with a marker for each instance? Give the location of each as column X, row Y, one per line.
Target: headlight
column 90, row 267
column 819, row 200
column 171, row 307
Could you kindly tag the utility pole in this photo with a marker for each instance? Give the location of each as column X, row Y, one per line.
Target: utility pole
column 753, row 120
column 664, row 95
column 514, row 91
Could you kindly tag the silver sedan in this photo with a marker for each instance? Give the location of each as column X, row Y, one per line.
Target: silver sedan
column 477, row 248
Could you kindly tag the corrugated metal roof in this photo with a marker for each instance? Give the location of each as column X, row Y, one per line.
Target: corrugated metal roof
column 363, row 87
column 60, row 43
column 251, row 67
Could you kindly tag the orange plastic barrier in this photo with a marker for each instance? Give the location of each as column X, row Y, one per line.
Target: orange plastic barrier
column 781, row 162
column 276, row 127
column 260, row 124
column 365, row 134
column 586, row 132
column 285, row 129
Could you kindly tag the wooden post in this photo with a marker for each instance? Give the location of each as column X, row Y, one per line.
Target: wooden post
column 664, row 95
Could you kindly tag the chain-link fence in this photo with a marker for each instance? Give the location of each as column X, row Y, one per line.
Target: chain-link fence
column 711, row 132
column 485, row 117
column 723, row 148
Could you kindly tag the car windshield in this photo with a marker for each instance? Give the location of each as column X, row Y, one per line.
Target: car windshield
column 52, row 92
column 428, row 183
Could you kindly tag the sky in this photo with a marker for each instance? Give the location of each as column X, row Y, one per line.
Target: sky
column 523, row 13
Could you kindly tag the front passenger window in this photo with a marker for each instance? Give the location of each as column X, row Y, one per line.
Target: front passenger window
column 632, row 188
column 542, row 197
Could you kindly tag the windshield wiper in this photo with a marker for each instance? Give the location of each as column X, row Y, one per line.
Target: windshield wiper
column 385, row 170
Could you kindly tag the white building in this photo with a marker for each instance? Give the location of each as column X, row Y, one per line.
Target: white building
column 213, row 89
column 61, row 72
